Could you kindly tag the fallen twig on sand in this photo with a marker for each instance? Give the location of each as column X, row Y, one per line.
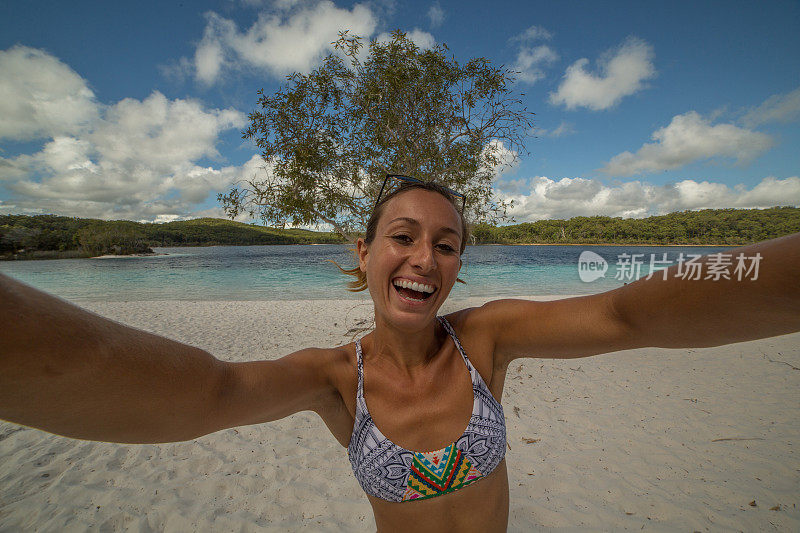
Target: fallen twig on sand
column 738, row 438
column 777, row 361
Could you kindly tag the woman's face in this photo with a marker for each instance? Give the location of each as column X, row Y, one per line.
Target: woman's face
column 417, row 241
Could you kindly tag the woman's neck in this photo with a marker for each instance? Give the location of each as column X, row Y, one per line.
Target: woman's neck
column 406, row 349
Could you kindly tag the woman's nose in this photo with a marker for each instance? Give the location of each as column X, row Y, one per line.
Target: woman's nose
column 423, row 258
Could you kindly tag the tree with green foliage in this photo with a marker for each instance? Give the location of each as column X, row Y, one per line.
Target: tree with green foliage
column 708, row 227
column 119, row 237
column 328, row 138
column 50, row 236
column 16, row 238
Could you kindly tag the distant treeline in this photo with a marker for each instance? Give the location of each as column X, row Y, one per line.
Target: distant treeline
column 51, row 236
column 46, row 236
column 709, row 226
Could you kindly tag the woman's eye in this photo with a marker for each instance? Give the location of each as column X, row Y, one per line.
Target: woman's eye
column 447, row 248
column 402, row 238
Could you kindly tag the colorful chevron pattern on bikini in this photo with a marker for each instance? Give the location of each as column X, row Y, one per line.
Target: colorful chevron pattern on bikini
column 439, row 472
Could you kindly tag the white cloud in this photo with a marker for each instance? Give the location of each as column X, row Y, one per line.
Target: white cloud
column 421, row 38
column 530, row 61
column 292, row 39
column 534, row 33
column 135, row 159
column 621, row 72
column 143, row 195
column 512, row 187
column 505, row 160
column 435, row 15
column 783, row 108
column 562, row 130
column 209, row 56
column 177, row 71
column 40, row 96
column 164, row 132
column 688, row 138
column 543, row 198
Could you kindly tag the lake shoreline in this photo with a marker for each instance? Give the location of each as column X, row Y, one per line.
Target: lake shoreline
column 45, row 255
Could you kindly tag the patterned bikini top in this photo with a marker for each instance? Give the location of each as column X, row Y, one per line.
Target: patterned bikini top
column 387, row 471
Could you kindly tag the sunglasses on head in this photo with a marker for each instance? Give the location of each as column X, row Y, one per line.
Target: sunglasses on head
column 409, row 179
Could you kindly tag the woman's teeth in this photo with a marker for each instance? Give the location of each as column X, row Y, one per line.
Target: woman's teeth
column 414, row 286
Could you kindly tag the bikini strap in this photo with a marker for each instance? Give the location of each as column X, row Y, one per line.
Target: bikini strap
column 452, row 333
column 360, row 367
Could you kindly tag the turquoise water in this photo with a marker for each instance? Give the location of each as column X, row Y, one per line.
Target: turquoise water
column 304, row 272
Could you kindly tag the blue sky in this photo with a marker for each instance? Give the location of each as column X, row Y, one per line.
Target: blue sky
column 134, row 110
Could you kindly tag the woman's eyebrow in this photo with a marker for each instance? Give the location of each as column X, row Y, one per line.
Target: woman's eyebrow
column 415, row 222
column 405, row 219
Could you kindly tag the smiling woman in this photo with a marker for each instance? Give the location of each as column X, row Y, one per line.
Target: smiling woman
column 416, row 401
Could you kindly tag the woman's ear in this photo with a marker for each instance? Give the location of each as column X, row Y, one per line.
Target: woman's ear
column 361, row 252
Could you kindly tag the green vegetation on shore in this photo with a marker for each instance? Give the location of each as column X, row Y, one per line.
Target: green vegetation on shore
column 51, row 236
column 706, row 227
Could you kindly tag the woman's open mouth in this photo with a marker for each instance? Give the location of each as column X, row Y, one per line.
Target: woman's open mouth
column 411, row 290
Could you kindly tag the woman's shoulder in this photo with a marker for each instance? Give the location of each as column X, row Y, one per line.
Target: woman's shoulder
column 332, row 360
column 492, row 318
column 339, row 366
column 473, row 330
column 486, row 326
column 476, row 320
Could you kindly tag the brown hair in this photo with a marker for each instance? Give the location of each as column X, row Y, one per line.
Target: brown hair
column 360, row 283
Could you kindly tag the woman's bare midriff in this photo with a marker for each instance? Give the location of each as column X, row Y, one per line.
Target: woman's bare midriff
column 481, row 506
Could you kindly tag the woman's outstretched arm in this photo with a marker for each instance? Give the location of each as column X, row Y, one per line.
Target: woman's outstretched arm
column 677, row 313
column 663, row 311
column 71, row 372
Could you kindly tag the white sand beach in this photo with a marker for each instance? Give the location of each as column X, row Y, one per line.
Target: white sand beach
column 652, row 439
